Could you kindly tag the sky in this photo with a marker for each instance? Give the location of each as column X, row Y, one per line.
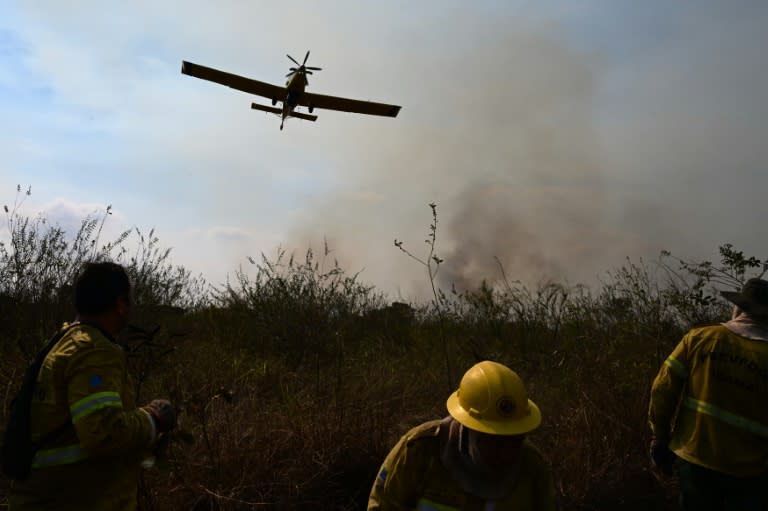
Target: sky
column 558, row 137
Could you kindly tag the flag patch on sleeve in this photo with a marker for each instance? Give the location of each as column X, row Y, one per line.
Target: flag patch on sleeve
column 95, row 382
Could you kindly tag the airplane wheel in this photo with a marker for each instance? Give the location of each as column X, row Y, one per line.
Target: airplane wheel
column 281, row 127
column 274, row 101
column 311, row 108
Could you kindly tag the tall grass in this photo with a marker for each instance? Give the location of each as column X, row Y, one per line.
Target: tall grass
column 39, row 262
column 295, row 379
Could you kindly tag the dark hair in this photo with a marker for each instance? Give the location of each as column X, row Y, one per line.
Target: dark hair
column 98, row 287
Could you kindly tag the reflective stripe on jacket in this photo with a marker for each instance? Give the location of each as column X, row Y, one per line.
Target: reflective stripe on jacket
column 720, row 382
column 95, row 463
column 412, row 478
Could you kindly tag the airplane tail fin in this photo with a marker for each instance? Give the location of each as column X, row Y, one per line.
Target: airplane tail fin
column 269, row 109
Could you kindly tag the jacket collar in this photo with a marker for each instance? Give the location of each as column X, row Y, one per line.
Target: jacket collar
column 746, row 326
column 471, row 477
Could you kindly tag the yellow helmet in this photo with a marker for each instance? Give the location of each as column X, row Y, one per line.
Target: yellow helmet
column 492, row 399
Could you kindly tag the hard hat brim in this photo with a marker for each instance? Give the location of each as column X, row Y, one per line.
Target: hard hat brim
column 519, row 426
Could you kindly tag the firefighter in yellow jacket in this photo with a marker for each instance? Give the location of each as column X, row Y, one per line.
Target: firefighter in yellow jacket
column 477, row 458
column 717, row 380
column 91, row 436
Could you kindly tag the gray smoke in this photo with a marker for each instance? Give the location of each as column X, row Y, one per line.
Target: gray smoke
column 554, row 163
column 510, row 156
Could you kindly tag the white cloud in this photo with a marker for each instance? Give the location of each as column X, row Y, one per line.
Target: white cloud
column 70, row 215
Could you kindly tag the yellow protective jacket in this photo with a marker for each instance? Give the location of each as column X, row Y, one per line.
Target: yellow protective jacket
column 412, row 477
column 95, row 463
column 719, row 381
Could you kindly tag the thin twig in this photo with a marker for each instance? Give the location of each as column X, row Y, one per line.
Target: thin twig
column 609, row 417
column 232, row 499
column 7, row 392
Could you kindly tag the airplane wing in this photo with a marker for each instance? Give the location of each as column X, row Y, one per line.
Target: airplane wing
column 236, row 82
column 347, row 105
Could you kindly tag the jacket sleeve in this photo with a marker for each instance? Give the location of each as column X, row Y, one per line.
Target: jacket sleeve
column 396, row 487
column 545, row 491
column 667, row 390
column 542, row 485
column 104, row 427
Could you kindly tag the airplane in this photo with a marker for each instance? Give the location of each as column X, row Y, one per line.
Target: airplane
column 292, row 95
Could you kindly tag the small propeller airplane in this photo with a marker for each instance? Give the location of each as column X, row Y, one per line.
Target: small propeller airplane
column 292, row 95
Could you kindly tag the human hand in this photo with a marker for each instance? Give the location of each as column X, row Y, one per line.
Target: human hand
column 164, row 414
column 662, row 458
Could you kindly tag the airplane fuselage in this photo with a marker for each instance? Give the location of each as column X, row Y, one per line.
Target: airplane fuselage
column 295, row 85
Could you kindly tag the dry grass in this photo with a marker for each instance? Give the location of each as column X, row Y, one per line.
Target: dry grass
column 312, row 437
column 294, row 384
column 269, row 433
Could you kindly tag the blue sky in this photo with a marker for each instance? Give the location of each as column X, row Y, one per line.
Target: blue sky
column 559, row 136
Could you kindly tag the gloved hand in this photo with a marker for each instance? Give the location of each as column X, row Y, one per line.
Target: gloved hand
column 164, row 414
column 661, row 457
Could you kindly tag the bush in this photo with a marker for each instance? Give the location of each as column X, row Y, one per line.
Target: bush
column 40, row 261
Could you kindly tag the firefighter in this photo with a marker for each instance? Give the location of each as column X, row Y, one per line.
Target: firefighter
column 717, row 380
column 477, row 457
column 91, row 436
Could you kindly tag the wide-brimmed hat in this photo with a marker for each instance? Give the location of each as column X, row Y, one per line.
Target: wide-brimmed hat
column 753, row 297
column 493, row 399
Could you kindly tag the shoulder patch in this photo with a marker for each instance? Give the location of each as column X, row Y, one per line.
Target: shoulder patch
column 95, row 382
column 79, row 335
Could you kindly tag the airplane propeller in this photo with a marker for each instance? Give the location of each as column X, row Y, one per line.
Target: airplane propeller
column 303, row 68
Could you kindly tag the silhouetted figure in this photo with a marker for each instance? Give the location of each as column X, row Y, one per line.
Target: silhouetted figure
column 717, row 380
column 92, row 437
column 476, row 458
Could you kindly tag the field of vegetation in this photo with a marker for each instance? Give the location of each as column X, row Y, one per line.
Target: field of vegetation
column 295, row 379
